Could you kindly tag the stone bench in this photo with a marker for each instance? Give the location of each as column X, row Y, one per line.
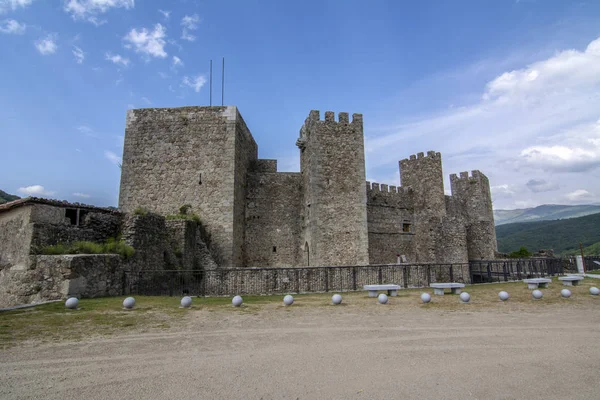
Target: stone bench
column 537, row 282
column 392, row 290
column 572, row 280
column 455, row 288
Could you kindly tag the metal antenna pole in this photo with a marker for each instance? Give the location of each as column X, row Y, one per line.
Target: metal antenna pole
column 211, row 82
column 223, row 83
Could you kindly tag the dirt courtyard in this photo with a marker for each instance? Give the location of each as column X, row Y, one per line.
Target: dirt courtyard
column 359, row 350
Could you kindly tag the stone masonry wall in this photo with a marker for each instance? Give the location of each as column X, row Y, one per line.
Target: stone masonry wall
column 474, row 196
column 246, row 154
column 273, row 220
column 60, row 277
column 15, row 238
column 335, row 195
column 187, row 155
column 389, row 214
column 147, row 235
column 424, row 175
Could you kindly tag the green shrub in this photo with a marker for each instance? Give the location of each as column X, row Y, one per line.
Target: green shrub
column 521, row 253
column 111, row 246
column 140, row 211
column 184, row 209
column 189, row 217
column 54, row 250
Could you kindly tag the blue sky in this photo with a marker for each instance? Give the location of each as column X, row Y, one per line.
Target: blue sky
column 511, row 88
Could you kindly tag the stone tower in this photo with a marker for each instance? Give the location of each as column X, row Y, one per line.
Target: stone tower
column 332, row 164
column 191, row 155
column 424, row 175
column 474, row 196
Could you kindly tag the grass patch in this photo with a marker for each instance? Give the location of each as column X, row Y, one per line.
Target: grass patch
column 105, row 316
column 189, row 217
column 111, row 246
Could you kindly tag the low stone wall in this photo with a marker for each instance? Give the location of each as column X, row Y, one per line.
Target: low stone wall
column 59, row 277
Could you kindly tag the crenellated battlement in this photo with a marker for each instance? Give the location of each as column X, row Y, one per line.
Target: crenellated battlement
column 343, row 118
column 430, row 155
column 374, row 187
column 475, row 175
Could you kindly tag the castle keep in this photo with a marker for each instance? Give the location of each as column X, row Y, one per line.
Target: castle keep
column 326, row 214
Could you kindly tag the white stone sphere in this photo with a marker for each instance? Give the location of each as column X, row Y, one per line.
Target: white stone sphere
column 382, row 298
column 503, row 295
column 186, row 302
column 336, row 299
column 288, row 300
column 129, row 302
column 425, row 297
column 465, row 297
column 237, row 301
column 566, row 293
column 537, row 294
column 72, row 303
column 594, row 291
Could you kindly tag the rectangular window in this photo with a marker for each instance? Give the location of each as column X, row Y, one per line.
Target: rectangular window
column 274, row 249
column 406, row 227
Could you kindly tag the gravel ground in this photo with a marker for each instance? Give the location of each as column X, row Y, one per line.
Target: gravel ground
column 342, row 352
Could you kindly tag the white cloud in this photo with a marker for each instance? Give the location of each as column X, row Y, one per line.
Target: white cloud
column 579, row 195
column 79, row 55
column 13, row 27
column 47, row 45
column 35, row 190
column 177, row 62
column 82, row 195
column 150, row 43
column 112, row 157
column 541, row 120
column 195, row 83
column 12, row 5
column 165, row 14
column 146, row 100
column 189, row 23
column 86, row 130
column 89, row 10
column 117, row 59
column 541, row 185
column 502, row 189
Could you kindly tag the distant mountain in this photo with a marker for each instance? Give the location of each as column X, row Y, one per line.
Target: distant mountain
column 546, row 212
column 563, row 236
column 5, row 197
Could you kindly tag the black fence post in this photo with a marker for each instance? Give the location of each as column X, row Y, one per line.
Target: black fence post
column 354, row 278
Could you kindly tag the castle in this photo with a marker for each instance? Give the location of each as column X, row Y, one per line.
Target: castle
column 324, row 215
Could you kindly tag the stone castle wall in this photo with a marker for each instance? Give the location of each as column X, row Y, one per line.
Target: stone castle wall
column 189, row 155
column 334, row 188
column 274, row 220
column 390, row 223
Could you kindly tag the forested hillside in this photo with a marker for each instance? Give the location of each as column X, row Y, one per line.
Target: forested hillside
column 563, row 236
column 5, row 197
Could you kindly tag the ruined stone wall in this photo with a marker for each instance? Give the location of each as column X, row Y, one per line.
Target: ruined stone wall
column 181, row 244
column 60, row 277
column 273, row 220
column 390, row 223
column 475, row 199
column 15, row 238
column 188, row 155
column 94, row 227
column 147, row 234
column 334, row 176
